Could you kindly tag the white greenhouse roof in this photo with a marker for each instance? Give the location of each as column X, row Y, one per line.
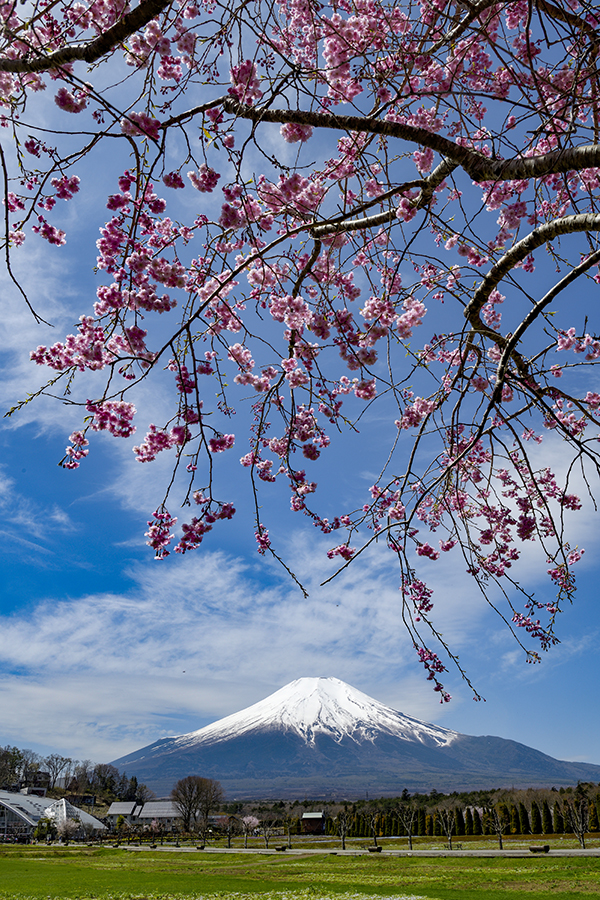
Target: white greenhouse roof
column 31, row 809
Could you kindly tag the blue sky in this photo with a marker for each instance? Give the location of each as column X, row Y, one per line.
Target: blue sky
column 103, row 649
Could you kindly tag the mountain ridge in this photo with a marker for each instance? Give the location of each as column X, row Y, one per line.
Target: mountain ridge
column 323, row 705
column 320, row 737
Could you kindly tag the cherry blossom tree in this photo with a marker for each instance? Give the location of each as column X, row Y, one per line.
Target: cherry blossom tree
column 393, row 204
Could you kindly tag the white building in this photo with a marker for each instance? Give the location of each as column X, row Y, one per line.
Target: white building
column 163, row 812
column 20, row 813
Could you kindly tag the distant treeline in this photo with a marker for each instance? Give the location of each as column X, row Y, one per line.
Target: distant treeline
column 573, row 810
column 21, row 768
column 519, row 811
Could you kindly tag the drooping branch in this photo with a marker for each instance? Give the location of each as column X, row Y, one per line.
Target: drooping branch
column 115, row 35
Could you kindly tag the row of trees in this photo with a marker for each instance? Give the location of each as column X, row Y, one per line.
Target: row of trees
column 23, row 766
column 504, row 818
column 497, row 813
column 568, row 812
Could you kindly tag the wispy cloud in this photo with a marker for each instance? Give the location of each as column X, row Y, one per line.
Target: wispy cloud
column 100, row 675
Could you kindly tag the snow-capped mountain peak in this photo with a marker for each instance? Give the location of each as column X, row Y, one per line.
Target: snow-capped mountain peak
column 309, row 707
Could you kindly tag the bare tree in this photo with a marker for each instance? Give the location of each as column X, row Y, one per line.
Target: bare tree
column 144, row 793
column 210, row 799
column 56, row 764
column 195, row 798
column 576, row 813
column 232, row 826
column 446, row 814
column 185, row 796
column 497, row 818
column 30, row 763
column 372, row 814
column 270, row 823
column 249, row 826
column 407, row 814
column 342, row 823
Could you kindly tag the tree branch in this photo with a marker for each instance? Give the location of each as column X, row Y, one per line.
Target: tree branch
column 511, row 343
column 428, row 185
column 476, row 165
column 469, row 159
column 521, row 250
column 119, row 32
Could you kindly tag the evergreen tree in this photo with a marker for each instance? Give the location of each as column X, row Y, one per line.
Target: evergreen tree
column 546, row 819
column 524, row 826
column 422, row 822
column 460, row 822
column 132, row 788
column 429, row 825
column 536, row 819
column 469, row 821
column 477, row 826
column 557, row 820
column 594, row 824
column 437, row 828
column 364, row 827
column 515, row 825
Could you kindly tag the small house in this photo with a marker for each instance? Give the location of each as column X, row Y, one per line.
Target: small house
column 313, row 823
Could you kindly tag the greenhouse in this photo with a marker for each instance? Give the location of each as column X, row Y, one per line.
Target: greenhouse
column 20, row 814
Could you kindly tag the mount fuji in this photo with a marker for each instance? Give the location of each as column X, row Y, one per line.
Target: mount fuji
column 320, row 737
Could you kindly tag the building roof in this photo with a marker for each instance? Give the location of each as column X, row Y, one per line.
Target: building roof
column 32, row 808
column 159, row 809
column 122, row 808
column 313, row 815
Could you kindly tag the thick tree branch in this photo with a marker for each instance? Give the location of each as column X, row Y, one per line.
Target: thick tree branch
column 476, row 165
column 520, row 251
column 540, row 306
column 463, row 156
column 119, row 32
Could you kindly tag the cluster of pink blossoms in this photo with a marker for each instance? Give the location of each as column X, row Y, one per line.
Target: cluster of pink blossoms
column 73, row 101
column 205, row 180
column 140, row 123
column 115, row 416
column 155, row 441
column 159, row 533
column 245, row 81
column 78, row 450
column 193, row 532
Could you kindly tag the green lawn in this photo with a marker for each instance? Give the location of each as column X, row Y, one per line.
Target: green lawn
column 35, row 872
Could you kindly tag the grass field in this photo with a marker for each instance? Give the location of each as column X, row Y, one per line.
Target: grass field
column 36, row 872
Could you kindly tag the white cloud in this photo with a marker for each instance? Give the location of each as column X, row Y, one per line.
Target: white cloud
column 193, row 640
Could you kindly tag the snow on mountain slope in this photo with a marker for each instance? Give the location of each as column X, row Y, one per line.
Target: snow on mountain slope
column 319, row 706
